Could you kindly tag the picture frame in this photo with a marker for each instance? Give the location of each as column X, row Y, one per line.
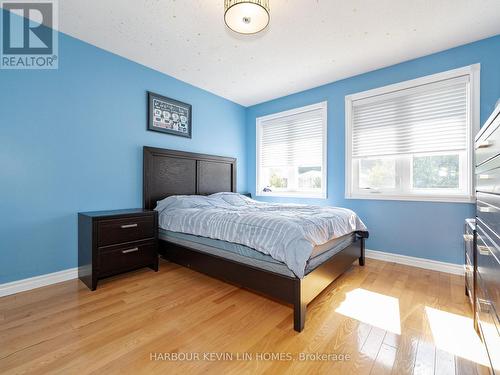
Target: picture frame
column 170, row 116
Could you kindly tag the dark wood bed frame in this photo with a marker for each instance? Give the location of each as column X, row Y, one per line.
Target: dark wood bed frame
column 169, row 172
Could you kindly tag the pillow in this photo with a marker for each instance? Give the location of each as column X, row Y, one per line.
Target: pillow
column 182, row 201
column 234, row 199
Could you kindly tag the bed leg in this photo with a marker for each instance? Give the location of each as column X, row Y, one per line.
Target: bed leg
column 299, row 316
column 299, row 308
column 362, row 254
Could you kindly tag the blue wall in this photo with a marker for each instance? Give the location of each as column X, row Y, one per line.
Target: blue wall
column 71, row 140
column 419, row 229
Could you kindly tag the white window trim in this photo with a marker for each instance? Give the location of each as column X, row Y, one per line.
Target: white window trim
column 323, row 195
column 473, row 71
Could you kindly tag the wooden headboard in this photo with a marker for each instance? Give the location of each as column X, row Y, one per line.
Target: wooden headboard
column 171, row 172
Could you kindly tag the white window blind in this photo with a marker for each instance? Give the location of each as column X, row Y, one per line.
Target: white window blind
column 291, row 152
column 293, row 140
column 413, row 140
column 428, row 118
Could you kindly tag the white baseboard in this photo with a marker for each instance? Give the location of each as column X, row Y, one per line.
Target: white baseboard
column 72, row 273
column 37, row 281
column 429, row 264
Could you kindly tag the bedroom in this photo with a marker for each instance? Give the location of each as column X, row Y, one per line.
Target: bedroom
column 303, row 199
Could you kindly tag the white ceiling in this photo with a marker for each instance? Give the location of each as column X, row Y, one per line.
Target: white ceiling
column 308, row 42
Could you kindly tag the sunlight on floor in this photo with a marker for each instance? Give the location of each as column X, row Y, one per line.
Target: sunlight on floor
column 372, row 308
column 455, row 334
column 386, row 357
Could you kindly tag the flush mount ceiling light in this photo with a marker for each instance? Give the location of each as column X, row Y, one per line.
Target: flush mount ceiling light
column 246, row 16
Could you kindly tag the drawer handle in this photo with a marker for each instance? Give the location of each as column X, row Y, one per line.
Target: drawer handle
column 484, row 305
column 468, row 237
column 483, row 250
column 129, row 226
column 484, row 176
column 485, row 144
column 486, row 209
column 130, row 250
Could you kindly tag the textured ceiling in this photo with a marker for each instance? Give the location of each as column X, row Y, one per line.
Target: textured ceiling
column 308, row 42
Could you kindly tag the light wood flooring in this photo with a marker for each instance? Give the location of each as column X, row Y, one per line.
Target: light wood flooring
column 384, row 317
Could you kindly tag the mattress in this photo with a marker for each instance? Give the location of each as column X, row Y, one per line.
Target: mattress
column 246, row 255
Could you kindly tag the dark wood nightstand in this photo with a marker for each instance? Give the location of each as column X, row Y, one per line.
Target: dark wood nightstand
column 112, row 242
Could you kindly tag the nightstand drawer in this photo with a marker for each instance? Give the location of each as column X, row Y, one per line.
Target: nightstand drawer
column 117, row 231
column 122, row 257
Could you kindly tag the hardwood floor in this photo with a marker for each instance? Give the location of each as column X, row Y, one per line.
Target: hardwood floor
column 383, row 318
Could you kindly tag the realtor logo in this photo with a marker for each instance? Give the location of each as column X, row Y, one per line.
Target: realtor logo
column 29, row 40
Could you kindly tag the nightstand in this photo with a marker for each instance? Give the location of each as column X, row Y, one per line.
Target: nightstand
column 113, row 242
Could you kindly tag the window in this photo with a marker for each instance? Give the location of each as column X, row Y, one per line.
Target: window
column 291, row 153
column 413, row 140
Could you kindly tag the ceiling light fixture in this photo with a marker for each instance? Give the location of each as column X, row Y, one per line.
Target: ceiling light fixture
column 246, row 16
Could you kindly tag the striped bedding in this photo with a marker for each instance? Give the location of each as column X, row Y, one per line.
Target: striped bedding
column 286, row 232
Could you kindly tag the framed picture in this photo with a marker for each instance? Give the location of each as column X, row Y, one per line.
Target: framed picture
column 169, row 116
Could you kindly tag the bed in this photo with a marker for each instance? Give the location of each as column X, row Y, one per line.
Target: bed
column 170, row 173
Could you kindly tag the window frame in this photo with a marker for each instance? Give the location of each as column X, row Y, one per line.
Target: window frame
column 473, row 71
column 323, row 106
